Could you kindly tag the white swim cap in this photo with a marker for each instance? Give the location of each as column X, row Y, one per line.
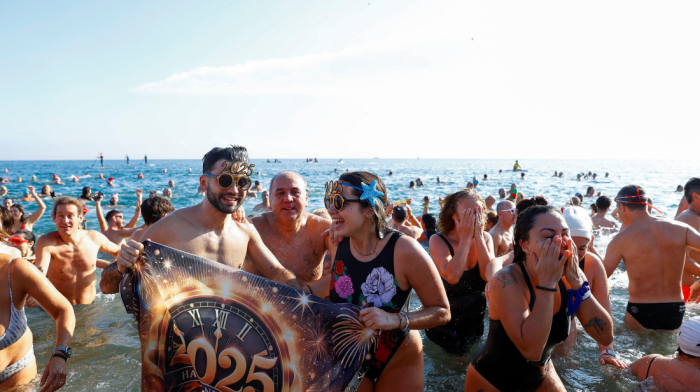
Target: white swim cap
column 689, row 338
column 580, row 224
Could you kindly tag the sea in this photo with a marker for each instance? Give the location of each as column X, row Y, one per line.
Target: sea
column 106, row 344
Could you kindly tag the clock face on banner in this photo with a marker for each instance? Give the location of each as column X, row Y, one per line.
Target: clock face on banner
column 205, row 326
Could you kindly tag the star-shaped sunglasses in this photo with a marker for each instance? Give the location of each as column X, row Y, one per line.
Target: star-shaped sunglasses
column 238, row 173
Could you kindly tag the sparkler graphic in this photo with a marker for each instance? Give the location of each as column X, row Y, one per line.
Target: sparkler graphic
column 353, row 339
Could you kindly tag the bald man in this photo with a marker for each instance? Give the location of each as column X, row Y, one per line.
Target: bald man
column 502, row 233
column 292, row 234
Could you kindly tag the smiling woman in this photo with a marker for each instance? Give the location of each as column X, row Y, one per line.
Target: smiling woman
column 365, row 273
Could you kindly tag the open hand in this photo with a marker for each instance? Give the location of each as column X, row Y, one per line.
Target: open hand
column 54, row 376
column 550, row 264
column 607, row 359
column 573, row 273
column 465, row 224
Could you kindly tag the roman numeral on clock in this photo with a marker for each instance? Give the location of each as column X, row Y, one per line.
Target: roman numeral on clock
column 221, row 318
column 244, row 331
column 196, row 318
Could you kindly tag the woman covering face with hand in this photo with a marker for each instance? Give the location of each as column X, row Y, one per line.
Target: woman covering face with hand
column 461, row 252
column 366, row 272
column 531, row 308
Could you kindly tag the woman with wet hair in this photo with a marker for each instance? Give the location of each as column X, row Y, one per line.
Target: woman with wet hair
column 461, row 251
column 23, row 222
column 6, row 223
column 531, row 308
column 366, row 272
column 46, row 191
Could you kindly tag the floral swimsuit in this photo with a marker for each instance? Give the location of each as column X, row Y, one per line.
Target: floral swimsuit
column 371, row 283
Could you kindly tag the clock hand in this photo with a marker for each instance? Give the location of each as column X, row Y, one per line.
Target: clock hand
column 218, row 335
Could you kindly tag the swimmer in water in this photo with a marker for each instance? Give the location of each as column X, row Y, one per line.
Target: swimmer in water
column 23, row 222
column 502, row 233
column 113, row 226
column 68, row 256
column 528, row 309
column 600, row 222
column 101, row 176
column 257, row 187
column 399, row 215
column 691, row 217
column 674, row 374
column 412, row 185
column 33, row 178
column 502, row 194
column 57, row 180
column 426, row 204
column 46, row 191
column 490, row 201
column 486, row 177
column 679, row 188
column 171, row 184
column 265, row 205
column 590, row 192
column 19, row 179
column 470, row 185
column 3, row 190
column 522, row 176
column 438, row 179
column 462, row 251
column 606, row 175
column 110, row 181
column 165, row 170
column 402, row 263
column 654, row 251
column 167, row 192
column 75, row 178
column 139, row 176
column 555, row 174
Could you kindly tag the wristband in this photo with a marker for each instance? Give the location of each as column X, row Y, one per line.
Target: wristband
column 408, row 321
column 586, row 295
column 575, row 297
column 60, row 355
column 609, row 352
column 554, row 290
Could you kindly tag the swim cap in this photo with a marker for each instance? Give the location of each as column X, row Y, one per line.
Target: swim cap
column 580, row 224
column 110, row 179
column 55, row 176
column 689, row 338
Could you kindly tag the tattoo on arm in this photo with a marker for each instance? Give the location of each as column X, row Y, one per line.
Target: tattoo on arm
column 597, row 324
column 111, row 277
column 327, row 264
column 506, row 279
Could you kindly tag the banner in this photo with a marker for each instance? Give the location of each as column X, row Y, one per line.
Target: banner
column 205, row 326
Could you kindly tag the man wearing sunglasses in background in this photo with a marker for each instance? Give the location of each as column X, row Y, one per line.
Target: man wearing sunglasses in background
column 208, row 229
column 293, row 235
column 654, row 250
column 502, row 233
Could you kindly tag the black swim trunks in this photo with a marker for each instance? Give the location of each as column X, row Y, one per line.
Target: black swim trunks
column 666, row 315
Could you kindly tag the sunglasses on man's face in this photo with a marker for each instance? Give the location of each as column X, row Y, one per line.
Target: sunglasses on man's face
column 511, row 210
column 334, row 196
column 235, row 174
column 16, row 241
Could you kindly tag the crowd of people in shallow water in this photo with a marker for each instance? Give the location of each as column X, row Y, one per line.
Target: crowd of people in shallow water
column 535, row 265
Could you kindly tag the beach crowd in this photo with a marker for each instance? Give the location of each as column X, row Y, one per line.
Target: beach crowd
column 535, row 265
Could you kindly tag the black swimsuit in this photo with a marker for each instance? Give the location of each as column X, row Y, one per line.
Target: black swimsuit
column 500, row 362
column 371, row 283
column 467, row 307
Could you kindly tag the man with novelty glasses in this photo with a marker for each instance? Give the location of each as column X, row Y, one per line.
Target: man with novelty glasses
column 209, row 228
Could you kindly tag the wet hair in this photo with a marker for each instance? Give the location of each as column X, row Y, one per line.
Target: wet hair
column 153, row 208
column 399, row 214
column 86, row 193
column 111, row 214
column 412, row 184
column 28, row 235
column 492, row 217
column 48, row 187
column 531, row 202
column 590, row 188
column 430, row 222
column 6, row 221
column 449, row 207
column 692, row 186
column 257, row 183
column 21, row 209
column 358, row 178
column 232, row 154
column 633, row 197
column 68, row 200
column 594, row 207
column 603, row 203
column 526, row 221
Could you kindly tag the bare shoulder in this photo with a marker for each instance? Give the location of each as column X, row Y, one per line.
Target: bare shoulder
column 317, row 223
column 170, row 225
column 49, row 239
column 505, row 277
column 408, row 248
column 95, row 235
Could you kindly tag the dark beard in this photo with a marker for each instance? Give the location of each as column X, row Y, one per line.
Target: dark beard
column 218, row 205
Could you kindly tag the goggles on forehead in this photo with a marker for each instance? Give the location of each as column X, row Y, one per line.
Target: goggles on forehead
column 238, row 173
column 639, row 197
column 334, row 190
column 16, row 241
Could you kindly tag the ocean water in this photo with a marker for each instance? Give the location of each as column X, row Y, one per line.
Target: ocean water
column 106, row 346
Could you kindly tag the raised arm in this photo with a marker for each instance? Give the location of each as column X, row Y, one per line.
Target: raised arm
column 529, row 330
column 265, row 262
column 98, row 211
column 36, row 215
column 450, row 267
column 137, row 214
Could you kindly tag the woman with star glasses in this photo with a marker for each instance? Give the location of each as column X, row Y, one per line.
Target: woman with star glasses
column 366, row 273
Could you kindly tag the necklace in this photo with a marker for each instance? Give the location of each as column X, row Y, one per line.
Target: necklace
column 361, row 254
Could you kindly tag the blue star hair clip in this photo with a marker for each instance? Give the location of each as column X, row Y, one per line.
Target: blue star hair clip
column 369, row 192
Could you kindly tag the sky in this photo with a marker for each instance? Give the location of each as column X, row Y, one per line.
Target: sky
column 350, row 79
